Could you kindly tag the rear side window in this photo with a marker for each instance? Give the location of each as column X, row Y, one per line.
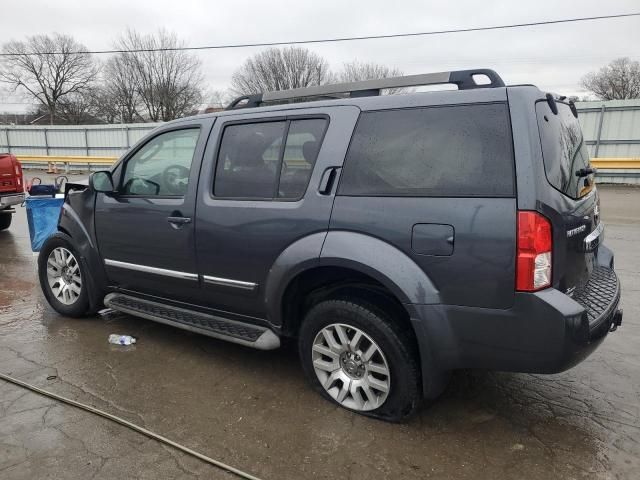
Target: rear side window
column 248, row 160
column 300, row 153
column 462, row 150
column 254, row 163
column 563, row 149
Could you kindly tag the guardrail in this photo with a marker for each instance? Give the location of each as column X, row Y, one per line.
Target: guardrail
column 617, row 170
column 51, row 162
column 616, row 163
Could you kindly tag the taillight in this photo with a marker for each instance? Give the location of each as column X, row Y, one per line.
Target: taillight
column 19, row 177
column 534, row 247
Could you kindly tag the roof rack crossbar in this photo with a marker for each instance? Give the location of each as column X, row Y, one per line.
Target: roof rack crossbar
column 464, row 79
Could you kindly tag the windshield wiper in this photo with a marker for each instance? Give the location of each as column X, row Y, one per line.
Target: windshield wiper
column 585, row 172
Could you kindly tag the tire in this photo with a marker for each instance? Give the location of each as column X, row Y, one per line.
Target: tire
column 73, row 301
column 5, row 220
column 352, row 370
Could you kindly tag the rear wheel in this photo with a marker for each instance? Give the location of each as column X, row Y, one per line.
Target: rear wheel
column 5, row 220
column 354, row 355
column 62, row 277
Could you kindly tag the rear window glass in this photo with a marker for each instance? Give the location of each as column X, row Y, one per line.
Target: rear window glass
column 462, row 150
column 563, row 149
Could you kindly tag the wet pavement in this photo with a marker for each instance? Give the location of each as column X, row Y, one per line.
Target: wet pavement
column 254, row 411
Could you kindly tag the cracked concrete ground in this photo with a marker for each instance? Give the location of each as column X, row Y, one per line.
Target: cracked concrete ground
column 253, row 409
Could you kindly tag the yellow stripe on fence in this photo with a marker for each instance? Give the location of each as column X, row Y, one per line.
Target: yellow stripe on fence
column 603, row 163
column 66, row 159
column 616, row 163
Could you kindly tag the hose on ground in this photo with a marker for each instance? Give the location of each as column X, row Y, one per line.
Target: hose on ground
column 132, row 426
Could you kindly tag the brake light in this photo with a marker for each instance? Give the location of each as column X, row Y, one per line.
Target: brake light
column 19, row 176
column 534, row 247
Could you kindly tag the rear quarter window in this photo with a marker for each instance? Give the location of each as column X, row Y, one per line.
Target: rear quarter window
column 457, row 151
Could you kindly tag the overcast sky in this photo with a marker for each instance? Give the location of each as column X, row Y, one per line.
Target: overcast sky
column 553, row 57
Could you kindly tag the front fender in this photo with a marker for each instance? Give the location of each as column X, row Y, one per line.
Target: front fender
column 77, row 221
column 381, row 261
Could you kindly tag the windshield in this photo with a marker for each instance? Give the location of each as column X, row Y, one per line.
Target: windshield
column 564, row 150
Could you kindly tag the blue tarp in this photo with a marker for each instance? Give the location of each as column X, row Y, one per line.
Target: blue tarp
column 42, row 215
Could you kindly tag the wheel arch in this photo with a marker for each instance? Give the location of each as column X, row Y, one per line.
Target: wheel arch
column 349, row 262
column 323, row 282
column 383, row 262
column 363, row 255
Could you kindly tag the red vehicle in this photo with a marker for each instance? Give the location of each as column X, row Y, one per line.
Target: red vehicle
column 11, row 187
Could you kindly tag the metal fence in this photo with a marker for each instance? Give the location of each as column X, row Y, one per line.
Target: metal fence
column 612, row 131
column 612, row 128
column 87, row 140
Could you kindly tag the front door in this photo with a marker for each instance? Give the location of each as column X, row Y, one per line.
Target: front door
column 145, row 230
column 260, row 191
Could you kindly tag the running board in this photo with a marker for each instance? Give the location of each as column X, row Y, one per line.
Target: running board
column 217, row 327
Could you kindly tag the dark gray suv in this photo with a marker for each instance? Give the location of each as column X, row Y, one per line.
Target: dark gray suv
column 396, row 237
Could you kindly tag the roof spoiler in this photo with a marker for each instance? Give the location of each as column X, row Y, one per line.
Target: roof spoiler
column 464, row 79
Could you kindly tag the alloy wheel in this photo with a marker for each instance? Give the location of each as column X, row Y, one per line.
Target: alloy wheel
column 351, row 367
column 63, row 275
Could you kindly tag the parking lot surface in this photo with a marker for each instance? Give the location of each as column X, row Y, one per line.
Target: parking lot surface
column 253, row 410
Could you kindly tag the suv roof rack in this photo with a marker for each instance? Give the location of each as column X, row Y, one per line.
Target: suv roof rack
column 464, row 79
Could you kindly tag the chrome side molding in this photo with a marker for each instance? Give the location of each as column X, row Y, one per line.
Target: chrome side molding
column 154, row 270
column 227, row 282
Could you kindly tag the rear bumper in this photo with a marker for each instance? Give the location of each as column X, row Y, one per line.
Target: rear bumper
column 544, row 332
column 7, row 200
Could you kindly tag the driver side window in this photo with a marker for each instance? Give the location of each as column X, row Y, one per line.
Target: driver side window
column 162, row 165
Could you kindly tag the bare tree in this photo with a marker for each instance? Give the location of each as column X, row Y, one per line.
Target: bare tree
column 108, row 107
column 79, row 108
column 280, row 69
column 119, row 97
column 49, row 68
column 161, row 80
column 218, row 98
column 356, row 71
column 617, row 81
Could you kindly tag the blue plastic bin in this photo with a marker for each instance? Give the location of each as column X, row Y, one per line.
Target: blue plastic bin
column 42, row 216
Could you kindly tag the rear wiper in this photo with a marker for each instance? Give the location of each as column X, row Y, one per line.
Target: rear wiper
column 584, row 172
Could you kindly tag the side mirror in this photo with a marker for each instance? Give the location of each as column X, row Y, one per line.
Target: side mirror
column 101, row 181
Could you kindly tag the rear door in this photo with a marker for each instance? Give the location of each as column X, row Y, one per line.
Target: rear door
column 567, row 166
column 145, row 230
column 260, row 191
column 437, row 182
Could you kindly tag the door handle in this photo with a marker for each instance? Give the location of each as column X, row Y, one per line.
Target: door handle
column 178, row 222
column 327, row 180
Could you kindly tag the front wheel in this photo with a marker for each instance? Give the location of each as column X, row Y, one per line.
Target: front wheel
column 62, row 277
column 356, row 356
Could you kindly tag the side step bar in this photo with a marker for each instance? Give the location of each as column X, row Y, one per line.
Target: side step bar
column 230, row 330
